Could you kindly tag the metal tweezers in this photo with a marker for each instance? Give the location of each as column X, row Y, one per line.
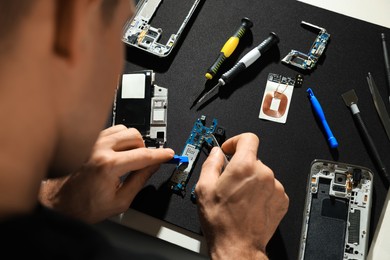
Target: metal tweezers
column 379, row 104
column 217, row 144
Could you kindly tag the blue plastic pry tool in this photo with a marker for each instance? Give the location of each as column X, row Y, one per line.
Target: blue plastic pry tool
column 178, row 159
column 321, row 116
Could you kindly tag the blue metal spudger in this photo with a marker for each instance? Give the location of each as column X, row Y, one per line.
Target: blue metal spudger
column 321, row 116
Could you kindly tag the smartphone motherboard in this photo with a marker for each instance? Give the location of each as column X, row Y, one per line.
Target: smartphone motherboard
column 200, row 136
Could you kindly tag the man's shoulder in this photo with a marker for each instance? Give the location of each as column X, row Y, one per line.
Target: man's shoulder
column 49, row 235
column 45, row 234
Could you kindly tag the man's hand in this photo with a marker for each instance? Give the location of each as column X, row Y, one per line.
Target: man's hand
column 96, row 191
column 240, row 206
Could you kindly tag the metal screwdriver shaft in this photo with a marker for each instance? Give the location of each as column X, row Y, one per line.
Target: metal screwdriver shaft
column 244, row 63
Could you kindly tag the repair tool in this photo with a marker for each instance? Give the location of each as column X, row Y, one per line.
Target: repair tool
column 350, row 99
column 229, row 47
column 179, row 159
column 379, row 104
column 226, row 161
column 215, row 143
column 387, row 63
column 244, row 63
column 321, row 116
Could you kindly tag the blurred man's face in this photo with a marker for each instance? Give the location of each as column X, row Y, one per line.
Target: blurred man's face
column 107, row 60
column 102, row 64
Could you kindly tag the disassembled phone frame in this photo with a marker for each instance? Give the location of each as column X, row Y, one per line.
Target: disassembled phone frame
column 338, row 195
column 139, row 33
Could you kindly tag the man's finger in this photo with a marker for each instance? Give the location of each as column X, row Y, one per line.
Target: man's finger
column 123, row 139
column 140, row 158
column 112, row 130
column 211, row 170
column 242, row 146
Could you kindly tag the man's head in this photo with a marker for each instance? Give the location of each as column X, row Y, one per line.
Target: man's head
column 61, row 60
column 13, row 13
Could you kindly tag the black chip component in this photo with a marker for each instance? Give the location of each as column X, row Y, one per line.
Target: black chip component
column 356, row 175
column 354, row 227
column 339, row 188
column 298, row 81
column 132, row 38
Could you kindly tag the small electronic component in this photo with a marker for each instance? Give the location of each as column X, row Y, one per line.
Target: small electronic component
column 277, row 78
column 199, row 137
column 298, row 81
column 309, row 61
column 140, row 34
column 337, row 212
column 277, row 97
column 141, row 104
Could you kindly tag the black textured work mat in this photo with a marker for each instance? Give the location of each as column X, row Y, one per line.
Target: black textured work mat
column 353, row 51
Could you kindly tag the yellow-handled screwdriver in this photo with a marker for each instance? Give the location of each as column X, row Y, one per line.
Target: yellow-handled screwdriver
column 229, row 47
column 244, row 63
